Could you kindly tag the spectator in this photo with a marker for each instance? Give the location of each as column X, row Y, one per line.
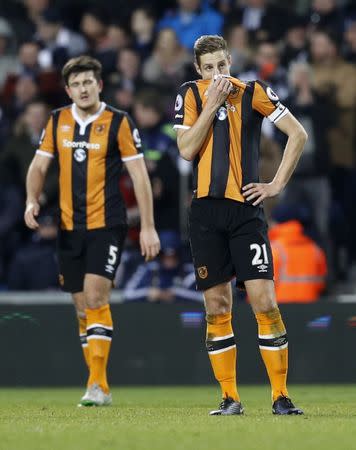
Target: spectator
column 310, row 181
column 299, row 264
column 143, row 23
column 241, row 53
column 8, row 58
column 165, row 280
column 267, row 68
column 350, row 41
column 159, row 148
column 35, row 267
column 93, row 26
column 263, row 21
column 295, row 42
column 167, row 65
column 24, row 17
column 20, row 148
column 59, row 43
column 117, row 39
column 335, row 79
column 190, row 20
column 26, row 90
column 29, row 59
column 326, row 14
column 126, row 81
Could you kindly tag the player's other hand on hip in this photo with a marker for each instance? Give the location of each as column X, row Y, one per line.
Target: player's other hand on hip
column 149, row 243
column 218, row 91
column 257, row 192
column 31, row 212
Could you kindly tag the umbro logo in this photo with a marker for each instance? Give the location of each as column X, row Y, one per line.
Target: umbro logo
column 109, row 268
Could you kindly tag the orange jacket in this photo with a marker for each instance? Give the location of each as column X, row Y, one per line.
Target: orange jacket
column 299, row 264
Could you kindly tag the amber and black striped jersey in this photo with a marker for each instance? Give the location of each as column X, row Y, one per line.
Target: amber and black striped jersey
column 90, row 155
column 229, row 156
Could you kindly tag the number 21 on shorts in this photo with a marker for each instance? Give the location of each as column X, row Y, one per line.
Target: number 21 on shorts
column 259, row 250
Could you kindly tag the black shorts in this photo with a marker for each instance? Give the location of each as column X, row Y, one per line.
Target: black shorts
column 228, row 239
column 93, row 251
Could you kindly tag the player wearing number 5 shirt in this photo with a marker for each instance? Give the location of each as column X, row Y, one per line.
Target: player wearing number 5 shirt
column 91, row 141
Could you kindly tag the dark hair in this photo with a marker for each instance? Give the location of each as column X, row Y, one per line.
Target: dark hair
column 209, row 44
column 150, row 98
column 81, row 64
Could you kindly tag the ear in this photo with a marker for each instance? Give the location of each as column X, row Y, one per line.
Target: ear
column 101, row 85
column 197, row 68
column 68, row 91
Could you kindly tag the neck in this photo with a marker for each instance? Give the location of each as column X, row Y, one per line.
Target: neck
column 85, row 113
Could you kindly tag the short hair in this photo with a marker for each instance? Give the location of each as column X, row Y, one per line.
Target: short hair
column 150, row 98
column 81, row 64
column 209, row 44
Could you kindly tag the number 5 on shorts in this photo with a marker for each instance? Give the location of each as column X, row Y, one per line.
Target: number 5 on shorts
column 112, row 254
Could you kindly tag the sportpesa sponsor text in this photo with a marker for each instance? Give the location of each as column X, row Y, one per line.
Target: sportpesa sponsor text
column 81, row 144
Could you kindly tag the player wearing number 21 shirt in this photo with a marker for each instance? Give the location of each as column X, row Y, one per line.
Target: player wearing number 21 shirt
column 218, row 120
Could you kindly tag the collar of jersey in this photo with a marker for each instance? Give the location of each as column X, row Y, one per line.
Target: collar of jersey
column 84, row 123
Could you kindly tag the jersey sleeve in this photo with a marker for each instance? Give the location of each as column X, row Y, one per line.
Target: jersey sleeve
column 267, row 103
column 129, row 140
column 46, row 145
column 185, row 109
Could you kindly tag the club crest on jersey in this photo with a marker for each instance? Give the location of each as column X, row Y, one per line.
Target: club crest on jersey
column 80, row 155
column 99, row 129
column 179, row 103
column 234, row 92
column 222, row 113
column 202, row 272
column 65, row 128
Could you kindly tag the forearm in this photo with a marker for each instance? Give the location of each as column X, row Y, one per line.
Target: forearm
column 34, row 183
column 291, row 155
column 143, row 193
column 193, row 139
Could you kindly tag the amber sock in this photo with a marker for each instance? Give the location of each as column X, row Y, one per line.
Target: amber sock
column 221, row 347
column 273, row 343
column 99, row 334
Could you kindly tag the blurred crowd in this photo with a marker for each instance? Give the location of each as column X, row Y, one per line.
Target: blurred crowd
column 305, row 50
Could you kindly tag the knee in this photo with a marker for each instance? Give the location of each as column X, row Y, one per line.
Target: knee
column 95, row 299
column 264, row 304
column 218, row 305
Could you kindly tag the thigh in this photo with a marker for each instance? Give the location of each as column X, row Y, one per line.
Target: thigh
column 250, row 248
column 210, row 252
column 104, row 249
column 71, row 259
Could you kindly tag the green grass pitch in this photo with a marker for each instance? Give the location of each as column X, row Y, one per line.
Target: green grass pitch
column 170, row 418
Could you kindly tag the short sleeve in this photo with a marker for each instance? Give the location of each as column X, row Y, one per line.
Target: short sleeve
column 267, row 103
column 185, row 108
column 129, row 140
column 46, row 145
